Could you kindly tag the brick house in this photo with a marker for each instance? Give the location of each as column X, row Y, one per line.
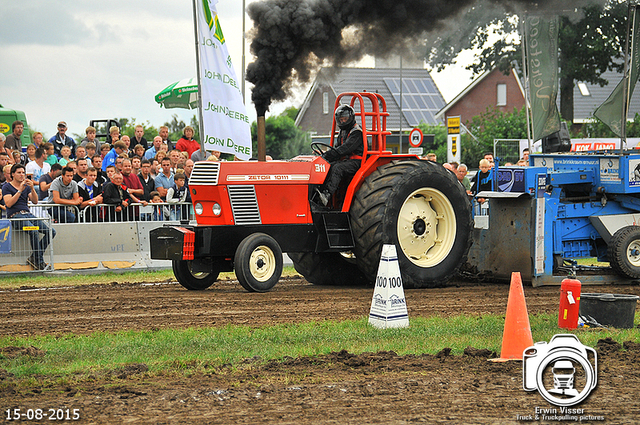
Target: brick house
column 491, row 89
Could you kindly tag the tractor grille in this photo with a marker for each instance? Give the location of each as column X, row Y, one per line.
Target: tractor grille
column 244, row 204
column 205, row 173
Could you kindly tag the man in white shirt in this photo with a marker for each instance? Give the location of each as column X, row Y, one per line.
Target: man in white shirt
column 36, row 169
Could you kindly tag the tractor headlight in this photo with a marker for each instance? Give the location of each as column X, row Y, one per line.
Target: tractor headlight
column 217, row 209
column 199, row 209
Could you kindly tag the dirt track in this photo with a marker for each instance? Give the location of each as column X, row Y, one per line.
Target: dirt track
column 85, row 309
column 339, row 388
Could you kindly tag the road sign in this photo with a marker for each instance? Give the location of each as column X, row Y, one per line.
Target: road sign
column 453, row 125
column 416, row 151
column 415, row 137
column 453, row 139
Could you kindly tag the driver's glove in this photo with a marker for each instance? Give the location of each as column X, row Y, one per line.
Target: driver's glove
column 331, row 155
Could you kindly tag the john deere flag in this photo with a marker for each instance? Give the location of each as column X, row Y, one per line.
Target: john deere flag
column 610, row 112
column 542, row 62
column 226, row 125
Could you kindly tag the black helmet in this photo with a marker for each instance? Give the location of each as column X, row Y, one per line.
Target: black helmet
column 345, row 117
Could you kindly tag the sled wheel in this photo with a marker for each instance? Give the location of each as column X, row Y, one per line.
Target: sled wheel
column 420, row 207
column 195, row 281
column 258, row 262
column 625, row 252
column 328, row 268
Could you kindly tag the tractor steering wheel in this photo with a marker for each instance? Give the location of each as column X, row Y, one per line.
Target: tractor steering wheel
column 316, row 147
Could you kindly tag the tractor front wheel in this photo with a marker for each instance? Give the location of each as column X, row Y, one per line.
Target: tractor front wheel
column 421, row 208
column 195, row 281
column 258, row 262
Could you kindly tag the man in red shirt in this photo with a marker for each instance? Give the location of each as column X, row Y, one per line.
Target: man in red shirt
column 131, row 180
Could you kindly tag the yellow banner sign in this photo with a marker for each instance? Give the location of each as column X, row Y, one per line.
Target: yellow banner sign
column 453, row 125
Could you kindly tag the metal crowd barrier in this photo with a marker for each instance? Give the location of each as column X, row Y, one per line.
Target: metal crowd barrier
column 26, row 244
column 101, row 213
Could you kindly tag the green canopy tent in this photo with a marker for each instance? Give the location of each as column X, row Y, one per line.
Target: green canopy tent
column 183, row 94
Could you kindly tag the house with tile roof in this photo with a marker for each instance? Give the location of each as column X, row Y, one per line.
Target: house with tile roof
column 587, row 97
column 506, row 92
column 421, row 98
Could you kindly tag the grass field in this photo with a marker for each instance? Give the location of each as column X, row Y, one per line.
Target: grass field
column 72, row 357
column 53, row 280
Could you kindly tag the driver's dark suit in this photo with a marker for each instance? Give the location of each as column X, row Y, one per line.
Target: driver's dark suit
column 347, row 145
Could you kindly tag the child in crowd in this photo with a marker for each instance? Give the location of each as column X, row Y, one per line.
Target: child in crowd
column 91, row 150
column 482, row 180
column 138, row 150
column 17, row 158
column 155, row 197
column 111, row 170
column 160, row 155
column 104, row 149
column 175, row 194
column 157, row 210
column 91, row 137
column 65, row 153
column 51, row 156
column 31, row 153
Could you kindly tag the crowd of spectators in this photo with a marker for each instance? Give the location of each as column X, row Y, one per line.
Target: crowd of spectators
column 482, row 180
column 92, row 174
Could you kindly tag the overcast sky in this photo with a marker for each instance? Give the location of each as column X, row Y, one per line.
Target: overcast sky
column 77, row 60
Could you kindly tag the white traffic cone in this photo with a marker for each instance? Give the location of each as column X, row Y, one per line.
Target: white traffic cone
column 389, row 307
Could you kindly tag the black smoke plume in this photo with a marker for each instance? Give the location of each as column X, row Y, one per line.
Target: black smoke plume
column 292, row 38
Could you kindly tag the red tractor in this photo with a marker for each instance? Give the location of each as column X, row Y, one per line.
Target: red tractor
column 249, row 213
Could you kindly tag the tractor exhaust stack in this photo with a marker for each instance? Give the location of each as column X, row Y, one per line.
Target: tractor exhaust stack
column 262, row 143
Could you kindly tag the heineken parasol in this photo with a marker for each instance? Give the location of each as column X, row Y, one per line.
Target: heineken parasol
column 183, row 94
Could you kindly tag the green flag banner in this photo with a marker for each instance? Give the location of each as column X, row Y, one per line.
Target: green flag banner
column 610, row 112
column 226, row 124
column 542, row 62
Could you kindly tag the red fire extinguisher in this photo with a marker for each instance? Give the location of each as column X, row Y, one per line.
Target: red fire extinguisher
column 569, row 303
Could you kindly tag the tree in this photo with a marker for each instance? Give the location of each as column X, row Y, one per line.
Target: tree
column 486, row 127
column 283, row 139
column 175, row 127
column 196, row 127
column 490, row 125
column 598, row 129
column 128, row 126
column 439, row 145
column 589, row 44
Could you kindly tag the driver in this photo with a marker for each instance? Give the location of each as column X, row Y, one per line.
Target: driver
column 342, row 157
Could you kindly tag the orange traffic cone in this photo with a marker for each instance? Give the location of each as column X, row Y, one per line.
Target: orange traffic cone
column 517, row 330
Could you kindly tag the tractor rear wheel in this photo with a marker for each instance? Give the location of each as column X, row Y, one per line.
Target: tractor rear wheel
column 421, row 208
column 624, row 252
column 258, row 262
column 328, row 268
column 195, row 281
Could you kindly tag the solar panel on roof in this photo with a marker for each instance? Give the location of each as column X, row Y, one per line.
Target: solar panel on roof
column 439, row 101
column 420, row 99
